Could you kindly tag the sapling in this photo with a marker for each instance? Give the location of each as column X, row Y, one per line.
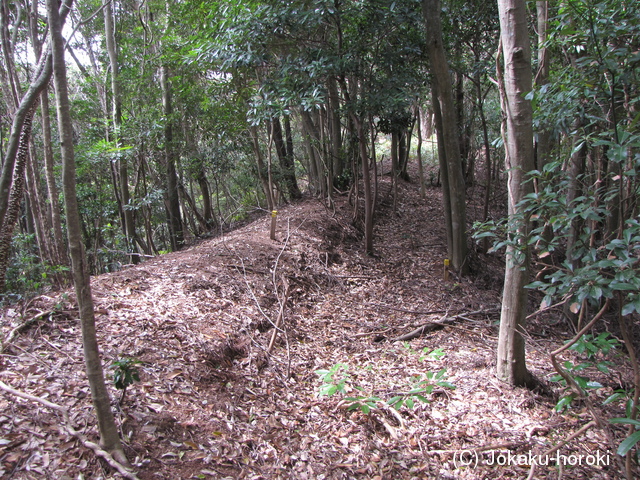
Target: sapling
column 124, row 374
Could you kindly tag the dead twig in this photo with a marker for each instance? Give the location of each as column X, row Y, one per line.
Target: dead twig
column 486, row 448
column 566, row 441
column 578, row 391
column 276, row 326
column 106, row 456
column 431, row 326
column 22, row 327
column 404, row 310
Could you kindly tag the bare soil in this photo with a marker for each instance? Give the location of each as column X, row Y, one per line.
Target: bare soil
column 212, row 402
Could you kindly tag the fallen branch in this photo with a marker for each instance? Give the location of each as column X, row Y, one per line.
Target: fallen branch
column 431, row 326
column 22, row 327
column 113, row 463
column 553, row 450
column 404, row 310
column 486, row 448
column 280, row 315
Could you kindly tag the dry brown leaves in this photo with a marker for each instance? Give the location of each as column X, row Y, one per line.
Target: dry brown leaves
column 212, row 404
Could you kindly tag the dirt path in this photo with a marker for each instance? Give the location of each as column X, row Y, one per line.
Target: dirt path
column 213, row 403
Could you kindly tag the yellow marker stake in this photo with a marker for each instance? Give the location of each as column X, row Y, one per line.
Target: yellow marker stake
column 446, row 269
column 274, row 214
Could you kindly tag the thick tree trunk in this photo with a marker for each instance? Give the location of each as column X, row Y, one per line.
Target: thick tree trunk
column 42, row 76
column 511, row 365
column 449, row 135
column 15, row 199
column 108, row 431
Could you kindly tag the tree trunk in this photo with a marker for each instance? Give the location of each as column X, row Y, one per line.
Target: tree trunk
column 315, row 154
column 286, row 162
column 42, row 76
column 174, row 219
column 109, row 438
column 15, row 198
column 511, row 365
column 444, row 173
column 366, row 182
column 543, row 140
column 262, row 168
column 296, row 194
column 441, row 81
column 128, row 226
column 423, row 192
column 335, row 129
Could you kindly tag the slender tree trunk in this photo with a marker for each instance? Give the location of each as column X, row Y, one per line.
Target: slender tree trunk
column 423, row 192
column 543, row 141
column 366, row 181
column 41, row 221
column 207, row 209
column 262, row 168
column 294, row 189
column 314, row 140
column 286, row 162
column 128, row 226
column 444, row 173
column 335, row 129
column 174, row 219
column 108, row 431
column 449, row 135
column 511, row 365
column 394, row 169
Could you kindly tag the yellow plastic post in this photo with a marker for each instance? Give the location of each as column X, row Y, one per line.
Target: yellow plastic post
column 274, row 214
column 446, row 269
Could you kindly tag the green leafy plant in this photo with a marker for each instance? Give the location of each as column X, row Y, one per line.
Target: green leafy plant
column 419, row 387
column 125, row 373
column 333, row 380
column 631, row 441
column 436, row 354
column 594, row 348
column 364, row 403
column 337, row 380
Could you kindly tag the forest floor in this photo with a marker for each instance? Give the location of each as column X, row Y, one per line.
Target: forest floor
column 212, row 402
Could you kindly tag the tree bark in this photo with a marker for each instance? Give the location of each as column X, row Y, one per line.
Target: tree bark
column 15, row 198
column 262, row 168
column 511, row 365
column 441, row 82
column 543, row 140
column 286, row 162
column 335, row 128
column 366, row 184
column 128, row 226
column 173, row 197
column 109, row 438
